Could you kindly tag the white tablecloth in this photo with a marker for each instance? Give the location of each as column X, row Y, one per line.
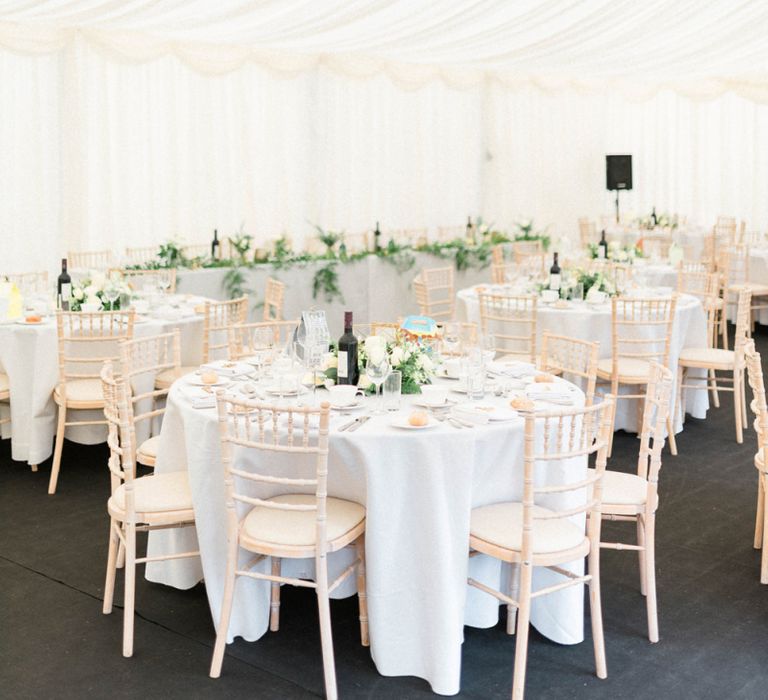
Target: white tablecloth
column 28, row 354
column 418, row 489
column 592, row 323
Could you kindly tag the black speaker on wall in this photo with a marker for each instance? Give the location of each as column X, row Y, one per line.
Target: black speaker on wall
column 618, row 172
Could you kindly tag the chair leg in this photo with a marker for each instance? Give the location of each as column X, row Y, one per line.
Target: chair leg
column 650, row 577
column 738, row 379
column 744, row 419
column 109, row 583
column 58, row 447
column 362, row 596
column 326, row 638
column 760, row 510
column 615, row 392
column 764, row 557
column 226, row 611
column 33, row 467
column 274, row 597
column 120, row 556
column 724, row 326
column 679, row 395
column 641, row 553
column 671, row 437
column 130, row 588
column 596, row 611
column 523, row 625
column 713, row 389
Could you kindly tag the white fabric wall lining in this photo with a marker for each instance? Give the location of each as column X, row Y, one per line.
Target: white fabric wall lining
column 106, row 147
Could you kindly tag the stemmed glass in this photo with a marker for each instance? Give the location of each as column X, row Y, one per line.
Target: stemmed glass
column 377, row 372
column 164, row 282
column 112, row 293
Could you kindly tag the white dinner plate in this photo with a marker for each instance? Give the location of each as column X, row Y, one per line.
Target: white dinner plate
column 348, row 407
column 24, row 322
column 275, row 391
column 442, row 374
column 426, row 404
column 402, row 423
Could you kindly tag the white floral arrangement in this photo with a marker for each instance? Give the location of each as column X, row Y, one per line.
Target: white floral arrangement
column 91, row 290
column 408, row 357
column 617, row 252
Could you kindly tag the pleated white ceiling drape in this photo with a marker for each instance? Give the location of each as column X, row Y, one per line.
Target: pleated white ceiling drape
column 125, row 123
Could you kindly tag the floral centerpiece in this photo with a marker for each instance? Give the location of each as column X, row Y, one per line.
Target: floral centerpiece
column 526, row 232
column 662, row 221
column 596, row 280
column 617, row 252
column 408, row 357
column 92, row 290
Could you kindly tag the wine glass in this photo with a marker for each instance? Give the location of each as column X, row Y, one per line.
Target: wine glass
column 451, row 339
column 112, row 293
column 377, row 370
column 488, row 344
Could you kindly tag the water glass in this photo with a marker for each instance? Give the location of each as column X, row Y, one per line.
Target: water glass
column 392, row 388
column 577, row 292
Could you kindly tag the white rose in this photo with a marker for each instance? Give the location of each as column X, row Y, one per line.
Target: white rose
column 396, row 356
column 78, row 293
column 375, row 348
column 90, row 290
column 376, row 355
column 93, row 300
column 330, row 361
column 424, row 362
column 364, row 382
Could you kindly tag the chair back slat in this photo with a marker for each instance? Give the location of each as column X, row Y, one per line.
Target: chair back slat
column 28, row 282
column 259, row 338
column 564, row 440
column 90, row 339
column 159, row 280
column 274, row 296
column 434, row 290
column 642, row 328
column 89, row 259
column 658, row 397
column 512, row 320
column 573, row 358
column 758, row 403
column 253, row 426
column 220, row 317
column 142, row 254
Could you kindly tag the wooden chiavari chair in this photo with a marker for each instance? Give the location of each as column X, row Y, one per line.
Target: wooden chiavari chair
column 250, row 339
column 301, row 522
column 720, row 360
column 535, row 533
column 5, row 399
column 734, row 266
column 705, row 286
column 156, row 280
column 160, row 501
column 503, row 273
column 86, row 341
column 196, row 250
column 388, row 329
column 657, row 245
column 534, row 266
column 435, row 294
column 29, row 282
column 457, row 337
column 220, row 316
column 497, row 254
column 142, row 359
column 90, row 259
column 635, row 497
column 759, row 408
column 274, row 295
column 512, row 320
column 571, row 357
column 522, row 249
column 641, row 333
column 141, row 255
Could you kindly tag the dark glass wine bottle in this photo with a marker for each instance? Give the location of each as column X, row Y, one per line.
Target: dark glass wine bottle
column 470, row 231
column 377, row 238
column 64, row 287
column 554, row 275
column 347, row 371
column 602, row 247
column 654, row 218
column 215, row 244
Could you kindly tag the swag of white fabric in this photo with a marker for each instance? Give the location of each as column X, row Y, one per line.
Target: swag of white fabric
column 698, row 50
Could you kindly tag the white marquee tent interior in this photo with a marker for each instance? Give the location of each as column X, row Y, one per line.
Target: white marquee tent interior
column 128, row 122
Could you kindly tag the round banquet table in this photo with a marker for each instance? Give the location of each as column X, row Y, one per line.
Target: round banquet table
column 587, row 322
column 29, row 356
column 418, row 488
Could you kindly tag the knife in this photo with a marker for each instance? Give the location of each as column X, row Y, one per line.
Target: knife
column 348, row 426
column 358, row 423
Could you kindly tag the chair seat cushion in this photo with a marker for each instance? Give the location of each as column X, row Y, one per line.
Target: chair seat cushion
column 81, row 390
column 297, row 528
column 501, row 524
column 622, row 489
column 707, row 356
column 632, row 370
column 5, row 385
column 156, row 493
column 149, row 447
column 168, row 376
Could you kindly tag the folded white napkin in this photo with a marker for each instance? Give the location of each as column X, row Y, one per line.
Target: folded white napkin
column 513, row 368
column 468, row 413
column 207, row 401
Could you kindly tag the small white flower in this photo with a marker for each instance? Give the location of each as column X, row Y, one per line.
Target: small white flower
column 90, row 290
column 396, row 356
column 330, row 361
column 78, row 294
column 423, row 362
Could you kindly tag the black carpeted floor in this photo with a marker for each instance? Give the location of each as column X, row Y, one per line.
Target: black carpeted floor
column 55, row 642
